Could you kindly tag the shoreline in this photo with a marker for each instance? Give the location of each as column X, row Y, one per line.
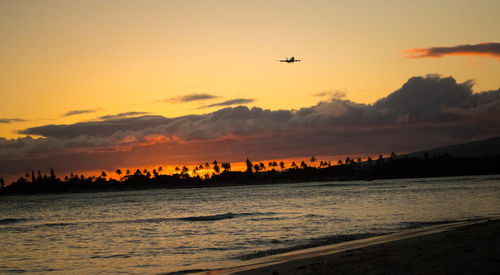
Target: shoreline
column 106, row 189
column 399, row 252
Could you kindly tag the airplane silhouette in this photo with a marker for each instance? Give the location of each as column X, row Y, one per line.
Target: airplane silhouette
column 289, row 60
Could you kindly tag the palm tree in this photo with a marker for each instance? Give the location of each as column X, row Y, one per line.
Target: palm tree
column 282, row 165
column 103, row 174
column 294, row 166
column 303, row 165
column 313, row 159
column 249, row 166
column 119, row 172
column 380, row 161
column 226, row 166
column 216, row 167
column 369, row 161
column 262, row 166
column 256, row 167
column 52, row 174
column 127, row 172
column 347, row 161
column 393, row 156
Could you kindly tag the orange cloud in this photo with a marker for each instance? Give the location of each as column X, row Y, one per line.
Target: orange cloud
column 482, row 49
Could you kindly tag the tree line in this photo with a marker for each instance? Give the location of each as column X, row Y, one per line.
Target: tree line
column 257, row 173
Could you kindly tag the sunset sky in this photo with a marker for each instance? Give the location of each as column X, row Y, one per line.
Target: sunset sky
column 86, row 85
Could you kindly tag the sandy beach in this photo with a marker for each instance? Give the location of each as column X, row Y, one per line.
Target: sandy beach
column 455, row 248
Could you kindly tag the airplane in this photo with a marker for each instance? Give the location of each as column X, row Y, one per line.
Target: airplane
column 289, row 60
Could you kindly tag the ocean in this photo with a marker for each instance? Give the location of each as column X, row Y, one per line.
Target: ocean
column 167, row 230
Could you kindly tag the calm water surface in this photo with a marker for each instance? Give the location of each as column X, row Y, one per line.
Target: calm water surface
column 165, row 230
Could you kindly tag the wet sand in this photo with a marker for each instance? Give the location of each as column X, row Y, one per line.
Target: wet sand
column 455, row 248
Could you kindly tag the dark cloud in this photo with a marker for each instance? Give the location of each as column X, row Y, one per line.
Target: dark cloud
column 425, row 112
column 122, row 115
column 189, row 98
column 96, row 128
column 483, row 49
column 333, row 94
column 229, row 102
column 10, row 120
column 78, row 112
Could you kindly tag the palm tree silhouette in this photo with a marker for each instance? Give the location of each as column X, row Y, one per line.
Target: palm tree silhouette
column 216, row 167
column 119, row 172
column 256, row 167
column 226, row 166
column 249, row 166
column 184, row 169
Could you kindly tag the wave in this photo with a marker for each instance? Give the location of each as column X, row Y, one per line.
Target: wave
column 411, row 225
column 12, row 220
column 313, row 242
column 224, row 216
column 216, row 217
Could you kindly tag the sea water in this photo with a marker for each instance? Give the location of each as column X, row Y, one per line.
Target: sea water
column 165, row 230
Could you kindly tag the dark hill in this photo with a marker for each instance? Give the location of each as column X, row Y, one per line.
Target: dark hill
column 480, row 148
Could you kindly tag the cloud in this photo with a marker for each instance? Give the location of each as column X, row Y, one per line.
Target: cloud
column 189, row 98
column 332, row 94
column 95, row 128
column 229, row 102
column 10, row 120
column 482, row 49
column 122, row 115
column 425, row 112
column 77, row 112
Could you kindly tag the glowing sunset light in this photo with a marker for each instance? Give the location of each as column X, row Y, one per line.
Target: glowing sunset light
column 96, row 86
column 482, row 49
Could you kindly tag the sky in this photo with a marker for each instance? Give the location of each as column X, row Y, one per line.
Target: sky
column 86, row 85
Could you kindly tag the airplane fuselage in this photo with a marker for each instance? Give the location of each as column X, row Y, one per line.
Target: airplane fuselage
column 290, row 60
